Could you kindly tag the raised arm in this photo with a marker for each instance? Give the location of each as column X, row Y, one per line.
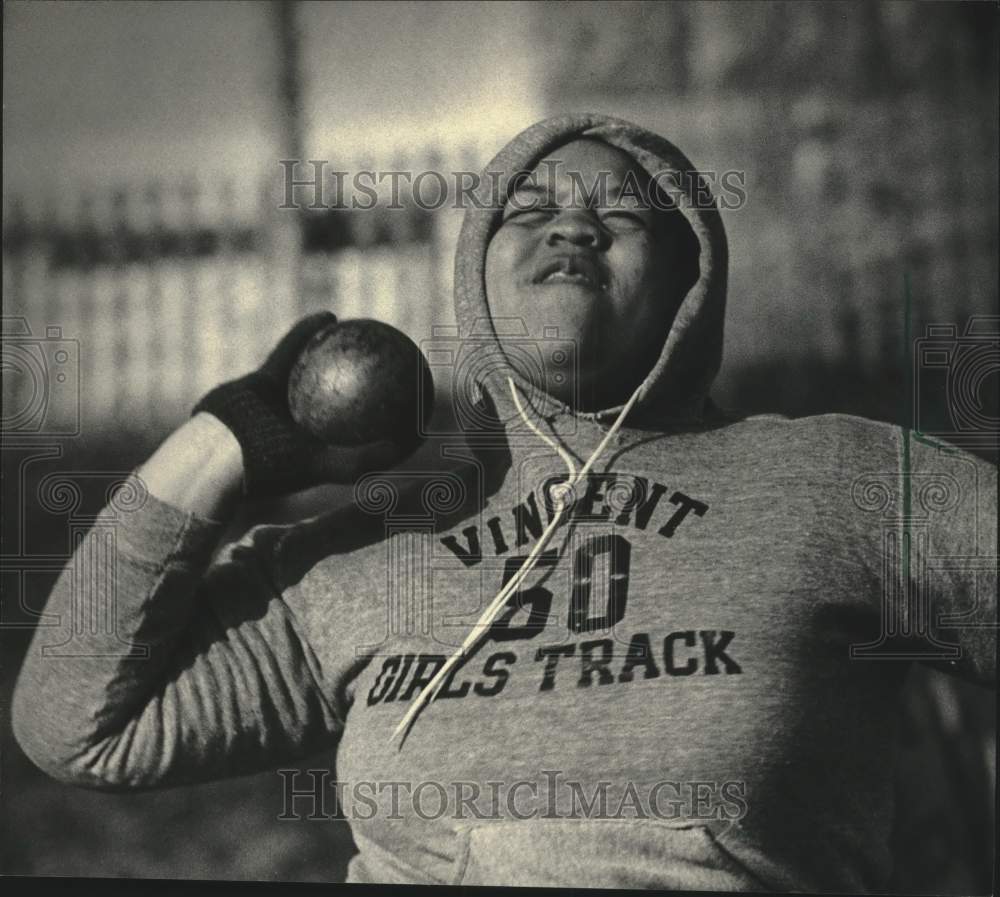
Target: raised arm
column 205, row 672
column 202, row 671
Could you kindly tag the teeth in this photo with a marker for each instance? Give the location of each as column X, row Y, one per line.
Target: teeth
column 565, row 277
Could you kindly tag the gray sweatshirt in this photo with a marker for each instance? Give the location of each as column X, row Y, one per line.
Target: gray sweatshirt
column 695, row 688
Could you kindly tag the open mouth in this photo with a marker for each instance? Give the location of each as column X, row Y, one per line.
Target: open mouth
column 567, row 269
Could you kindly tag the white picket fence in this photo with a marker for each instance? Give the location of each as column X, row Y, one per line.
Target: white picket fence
column 131, row 338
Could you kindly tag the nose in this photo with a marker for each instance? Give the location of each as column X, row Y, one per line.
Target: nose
column 578, row 227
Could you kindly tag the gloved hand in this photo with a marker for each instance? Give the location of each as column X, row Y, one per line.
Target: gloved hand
column 279, row 457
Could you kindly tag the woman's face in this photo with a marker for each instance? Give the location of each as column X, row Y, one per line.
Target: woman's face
column 587, row 267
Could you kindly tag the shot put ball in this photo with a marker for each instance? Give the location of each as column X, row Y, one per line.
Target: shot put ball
column 362, row 381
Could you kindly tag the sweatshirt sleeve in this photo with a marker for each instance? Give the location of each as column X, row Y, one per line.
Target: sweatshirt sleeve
column 163, row 669
column 936, row 506
column 955, row 492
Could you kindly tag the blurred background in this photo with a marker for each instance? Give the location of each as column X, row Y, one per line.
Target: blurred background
column 145, row 259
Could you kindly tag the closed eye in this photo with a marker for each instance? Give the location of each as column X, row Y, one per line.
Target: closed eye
column 620, row 220
column 528, row 217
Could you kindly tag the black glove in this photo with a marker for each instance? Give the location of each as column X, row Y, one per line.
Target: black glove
column 278, row 456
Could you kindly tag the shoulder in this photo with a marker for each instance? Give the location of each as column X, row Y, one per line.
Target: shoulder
column 288, row 553
column 843, row 436
column 849, row 443
column 352, row 540
column 848, row 425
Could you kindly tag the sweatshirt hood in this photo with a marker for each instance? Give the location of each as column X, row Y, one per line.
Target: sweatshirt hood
column 674, row 392
column 677, row 386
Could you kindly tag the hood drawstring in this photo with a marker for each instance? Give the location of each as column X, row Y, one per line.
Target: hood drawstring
column 560, row 496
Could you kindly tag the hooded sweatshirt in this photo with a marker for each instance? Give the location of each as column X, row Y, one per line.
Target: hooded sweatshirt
column 694, row 686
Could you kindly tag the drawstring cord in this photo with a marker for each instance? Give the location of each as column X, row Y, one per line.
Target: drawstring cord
column 560, row 494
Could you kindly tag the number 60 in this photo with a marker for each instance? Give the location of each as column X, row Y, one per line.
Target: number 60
column 539, row 599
